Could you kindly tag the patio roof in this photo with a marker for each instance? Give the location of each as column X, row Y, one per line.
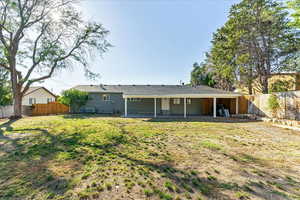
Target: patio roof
column 159, row 91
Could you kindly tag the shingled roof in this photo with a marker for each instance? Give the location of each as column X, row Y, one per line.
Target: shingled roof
column 154, row 90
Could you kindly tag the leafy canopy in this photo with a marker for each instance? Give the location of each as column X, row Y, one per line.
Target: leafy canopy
column 39, row 38
column 199, row 75
column 256, row 41
column 73, row 98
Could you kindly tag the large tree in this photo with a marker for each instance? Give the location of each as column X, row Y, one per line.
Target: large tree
column 267, row 37
column 256, row 41
column 39, row 38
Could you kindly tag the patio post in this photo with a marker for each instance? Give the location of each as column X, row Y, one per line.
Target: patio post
column 215, row 107
column 154, row 107
column 184, row 107
column 125, row 107
column 237, row 105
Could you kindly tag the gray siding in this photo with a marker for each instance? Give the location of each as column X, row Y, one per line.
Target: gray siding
column 96, row 102
column 192, row 109
column 145, row 106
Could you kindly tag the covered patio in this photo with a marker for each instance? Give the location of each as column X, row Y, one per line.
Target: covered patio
column 180, row 105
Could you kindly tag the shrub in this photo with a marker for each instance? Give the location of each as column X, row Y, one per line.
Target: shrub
column 73, row 98
column 273, row 103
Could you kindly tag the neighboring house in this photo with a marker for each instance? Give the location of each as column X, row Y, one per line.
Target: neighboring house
column 37, row 95
column 292, row 81
column 158, row 100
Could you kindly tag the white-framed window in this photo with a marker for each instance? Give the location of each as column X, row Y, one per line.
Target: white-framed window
column 49, row 100
column 189, row 101
column 176, row 101
column 32, row 101
column 135, row 99
column 106, row 97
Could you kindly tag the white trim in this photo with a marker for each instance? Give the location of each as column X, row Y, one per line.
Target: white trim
column 184, row 100
column 154, row 107
column 184, row 96
column 125, row 107
column 215, row 107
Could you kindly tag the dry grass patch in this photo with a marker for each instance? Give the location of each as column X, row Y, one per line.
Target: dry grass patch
column 92, row 157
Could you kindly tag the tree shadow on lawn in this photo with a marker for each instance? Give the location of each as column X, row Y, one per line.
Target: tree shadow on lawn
column 212, row 188
column 28, row 163
column 270, row 185
column 7, row 126
column 264, row 181
column 36, row 174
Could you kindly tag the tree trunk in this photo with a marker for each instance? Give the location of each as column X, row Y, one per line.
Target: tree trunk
column 265, row 85
column 17, row 106
column 250, row 88
column 16, row 89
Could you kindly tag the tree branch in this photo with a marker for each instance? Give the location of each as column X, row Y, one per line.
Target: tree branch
column 4, row 66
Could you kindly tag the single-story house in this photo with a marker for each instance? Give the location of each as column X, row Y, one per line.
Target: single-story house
column 158, row 100
column 38, row 95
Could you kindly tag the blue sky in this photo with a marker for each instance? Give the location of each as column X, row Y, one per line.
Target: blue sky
column 155, row 41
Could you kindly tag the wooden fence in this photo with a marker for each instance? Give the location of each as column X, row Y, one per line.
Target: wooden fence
column 49, row 109
column 258, row 104
column 243, row 104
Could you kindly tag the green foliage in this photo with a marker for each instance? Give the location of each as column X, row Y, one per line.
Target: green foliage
column 273, row 103
column 256, row 40
column 5, row 89
column 200, row 76
column 45, row 37
column 281, row 86
column 73, row 98
column 91, row 157
column 294, row 5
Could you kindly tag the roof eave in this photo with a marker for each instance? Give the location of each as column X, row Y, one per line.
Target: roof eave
column 182, row 96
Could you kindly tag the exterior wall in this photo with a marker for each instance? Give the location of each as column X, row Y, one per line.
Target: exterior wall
column 191, row 109
column 198, row 106
column 40, row 96
column 145, row 106
column 98, row 105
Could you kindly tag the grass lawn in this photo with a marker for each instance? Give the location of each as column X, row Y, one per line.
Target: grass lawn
column 92, row 157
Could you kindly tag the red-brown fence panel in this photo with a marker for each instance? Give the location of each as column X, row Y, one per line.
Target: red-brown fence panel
column 49, row 109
